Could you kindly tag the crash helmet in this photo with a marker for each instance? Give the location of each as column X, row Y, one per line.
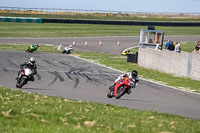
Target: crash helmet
column 32, row 60
column 70, row 46
column 36, row 45
column 134, row 73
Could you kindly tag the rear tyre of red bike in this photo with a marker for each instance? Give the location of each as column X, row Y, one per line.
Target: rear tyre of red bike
column 109, row 94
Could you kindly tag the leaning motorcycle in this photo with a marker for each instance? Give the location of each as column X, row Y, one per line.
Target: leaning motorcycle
column 23, row 77
column 31, row 49
column 121, row 87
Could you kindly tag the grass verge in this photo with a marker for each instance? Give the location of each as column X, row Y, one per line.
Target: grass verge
column 141, row 17
column 188, row 47
column 8, row 29
column 23, row 47
column 22, row 112
column 116, row 62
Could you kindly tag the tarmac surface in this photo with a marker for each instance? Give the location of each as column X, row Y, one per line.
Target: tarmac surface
column 68, row 76
column 109, row 44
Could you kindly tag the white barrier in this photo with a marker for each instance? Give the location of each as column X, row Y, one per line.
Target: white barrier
column 182, row 64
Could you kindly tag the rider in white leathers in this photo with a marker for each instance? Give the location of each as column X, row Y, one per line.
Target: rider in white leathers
column 68, row 50
column 28, row 64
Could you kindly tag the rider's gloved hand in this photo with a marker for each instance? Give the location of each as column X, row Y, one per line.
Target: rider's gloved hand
column 131, row 84
column 135, row 84
column 112, row 85
column 124, row 75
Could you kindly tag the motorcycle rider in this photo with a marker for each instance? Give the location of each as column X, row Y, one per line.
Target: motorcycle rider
column 28, row 64
column 32, row 48
column 133, row 76
column 68, row 50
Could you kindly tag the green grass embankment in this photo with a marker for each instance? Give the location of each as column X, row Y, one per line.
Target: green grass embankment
column 22, row 112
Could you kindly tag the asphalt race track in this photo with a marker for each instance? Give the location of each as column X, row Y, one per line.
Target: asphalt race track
column 70, row 77
column 109, row 44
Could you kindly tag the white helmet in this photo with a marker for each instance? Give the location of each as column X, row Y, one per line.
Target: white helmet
column 36, row 45
column 70, row 46
column 32, row 60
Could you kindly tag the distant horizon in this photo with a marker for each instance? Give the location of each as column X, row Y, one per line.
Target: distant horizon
column 96, row 10
column 152, row 6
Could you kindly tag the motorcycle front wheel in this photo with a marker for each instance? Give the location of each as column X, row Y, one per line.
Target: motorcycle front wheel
column 22, row 82
column 120, row 92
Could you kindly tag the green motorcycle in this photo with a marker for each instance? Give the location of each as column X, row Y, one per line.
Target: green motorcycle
column 32, row 48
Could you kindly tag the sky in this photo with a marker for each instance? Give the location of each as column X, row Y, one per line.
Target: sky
column 171, row 6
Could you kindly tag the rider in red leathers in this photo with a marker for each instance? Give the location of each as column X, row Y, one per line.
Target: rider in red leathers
column 133, row 76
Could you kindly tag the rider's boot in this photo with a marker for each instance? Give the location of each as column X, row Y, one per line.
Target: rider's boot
column 31, row 78
column 129, row 91
column 18, row 77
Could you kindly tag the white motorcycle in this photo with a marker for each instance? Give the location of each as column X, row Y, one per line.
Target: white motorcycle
column 23, row 77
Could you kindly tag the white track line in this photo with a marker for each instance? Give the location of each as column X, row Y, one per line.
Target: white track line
column 155, row 82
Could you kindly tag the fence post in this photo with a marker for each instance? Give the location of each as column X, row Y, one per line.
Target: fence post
column 189, row 65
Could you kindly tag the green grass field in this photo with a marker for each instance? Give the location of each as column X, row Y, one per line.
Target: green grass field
column 188, row 47
column 42, row 48
column 141, row 17
column 22, row 112
column 8, row 29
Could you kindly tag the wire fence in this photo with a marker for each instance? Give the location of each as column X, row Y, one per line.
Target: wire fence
column 60, row 13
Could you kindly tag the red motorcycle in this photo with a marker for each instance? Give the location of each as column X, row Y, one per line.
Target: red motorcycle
column 121, row 87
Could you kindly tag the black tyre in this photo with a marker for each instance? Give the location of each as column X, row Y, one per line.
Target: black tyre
column 17, row 85
column 120, row 92
column 22, row 82
column 109, row 95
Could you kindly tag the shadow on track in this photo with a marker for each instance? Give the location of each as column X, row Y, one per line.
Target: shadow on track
column 35, row 89
column 123, row 99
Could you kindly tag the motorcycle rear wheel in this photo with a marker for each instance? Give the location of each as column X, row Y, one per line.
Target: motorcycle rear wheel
column 109, row 95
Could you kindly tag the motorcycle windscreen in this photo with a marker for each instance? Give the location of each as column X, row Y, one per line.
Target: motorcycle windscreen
column 27, row 71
